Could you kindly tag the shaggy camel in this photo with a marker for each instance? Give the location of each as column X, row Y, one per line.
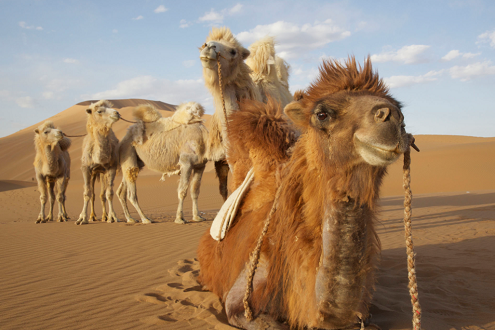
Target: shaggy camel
column 236, row 84
column 167, row 145
column 52, row 167
column 270, row 73
column 318, row 195
column 99, row 158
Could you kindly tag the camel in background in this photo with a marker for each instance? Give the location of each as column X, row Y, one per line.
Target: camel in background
column 52, row 167
column 237, row 84
column 317, row 195
column 174, row 145
column 99, row 158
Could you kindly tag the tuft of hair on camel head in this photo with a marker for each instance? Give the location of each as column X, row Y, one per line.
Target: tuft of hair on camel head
column 100, row 104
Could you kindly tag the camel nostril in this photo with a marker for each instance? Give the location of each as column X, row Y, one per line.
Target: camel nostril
column 381, row 115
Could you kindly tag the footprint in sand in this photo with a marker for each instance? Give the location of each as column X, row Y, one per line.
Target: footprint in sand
column 185, row 304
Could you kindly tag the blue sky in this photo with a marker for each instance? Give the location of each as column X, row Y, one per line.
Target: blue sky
column 438, row 57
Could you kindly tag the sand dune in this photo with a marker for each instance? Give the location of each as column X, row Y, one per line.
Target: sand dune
column 119, row 276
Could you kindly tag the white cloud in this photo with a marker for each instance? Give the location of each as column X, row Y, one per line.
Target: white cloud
column 294, row 40
column 403, row 81
column 138, row 18
column 28, row 27
column 407, row 55
column 25, row 102
column 451, row 55
column 48, row 95
column 471, row 71
column 487, row 37
column 161, row 9
column 217, row 17
column 71, row 61
column 211, row 16
column 115, row 31
column 148, row 87
column 184, row 24
column 455, row 53
column 189, row 63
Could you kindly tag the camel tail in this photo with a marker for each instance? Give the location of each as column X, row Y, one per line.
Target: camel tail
column 146, row 113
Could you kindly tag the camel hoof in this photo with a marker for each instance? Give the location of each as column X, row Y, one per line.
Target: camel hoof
column 131, row 220
column 198, row 219
column 82, row 222
column 38, row 221
column 147, row 221
column 180, row 221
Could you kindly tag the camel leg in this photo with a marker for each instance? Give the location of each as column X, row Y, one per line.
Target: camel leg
column 122, row 195
column 234, row 305
column 42, row 190
column 110, row 177
column 197, row 174
column 83, row 217
column 185, row 175
column 222, row 170
column 92, row 215
column 51, row 192
column 132, row 195
column 61, row 187
column 103, row 198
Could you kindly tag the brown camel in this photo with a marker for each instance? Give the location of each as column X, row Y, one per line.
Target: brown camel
column 52, row 167
column 318, row 256
column 100, row 158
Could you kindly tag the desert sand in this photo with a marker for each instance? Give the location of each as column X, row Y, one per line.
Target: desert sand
column 120, row 276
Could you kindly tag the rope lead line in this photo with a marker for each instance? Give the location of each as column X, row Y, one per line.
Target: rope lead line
column 411, row 263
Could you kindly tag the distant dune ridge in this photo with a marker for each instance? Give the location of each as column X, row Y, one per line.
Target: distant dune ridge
column 116, row 276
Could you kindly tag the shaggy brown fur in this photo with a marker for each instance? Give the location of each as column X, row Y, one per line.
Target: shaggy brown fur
column 318, row 257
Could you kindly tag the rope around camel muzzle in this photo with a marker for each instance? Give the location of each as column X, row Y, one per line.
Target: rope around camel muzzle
column 411, row 263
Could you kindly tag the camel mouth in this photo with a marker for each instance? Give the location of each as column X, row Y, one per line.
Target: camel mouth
column 378, row 154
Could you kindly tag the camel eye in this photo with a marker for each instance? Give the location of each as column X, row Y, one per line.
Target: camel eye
column 322, row 116
column 233, row 52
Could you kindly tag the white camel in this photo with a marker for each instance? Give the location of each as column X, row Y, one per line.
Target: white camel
column 169, row 146
column 100, row 158
column 52, row 167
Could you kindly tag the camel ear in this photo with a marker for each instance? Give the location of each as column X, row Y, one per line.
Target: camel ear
column 294, row 111
column 245, row 53
column 88, row 111
column 37, row 131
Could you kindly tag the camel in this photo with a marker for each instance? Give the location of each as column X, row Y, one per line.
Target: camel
column 269, row 72
column 100, row 159
column 315, row 201
column 236, row 84
column 52, row 167
column 167, row 145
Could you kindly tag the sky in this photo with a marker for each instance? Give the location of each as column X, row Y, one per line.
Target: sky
column 437, row 57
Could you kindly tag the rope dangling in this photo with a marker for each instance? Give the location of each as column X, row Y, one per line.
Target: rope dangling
column 219, row 65
column 411, row 263
column 69, row 136
column 255, row 256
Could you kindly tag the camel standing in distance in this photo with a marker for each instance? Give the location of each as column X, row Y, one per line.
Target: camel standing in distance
column 99, row 158
column 167, row 145
column 52, row 167
column 318, row 256
column 270, row 74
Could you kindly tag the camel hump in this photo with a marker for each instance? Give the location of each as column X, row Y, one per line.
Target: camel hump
column 263, row 130
column 146, row 113
column 65, row 143
column 188, row 113
column 262, row 55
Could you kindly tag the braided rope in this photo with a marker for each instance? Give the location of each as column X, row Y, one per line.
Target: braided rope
column 74, row 135
column 255, row 256
column 221, row 87
column 411, row 264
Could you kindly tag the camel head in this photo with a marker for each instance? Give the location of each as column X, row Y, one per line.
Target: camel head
column 101, row 114
column 232, row 55
column 48, row 135
column 350, row 110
